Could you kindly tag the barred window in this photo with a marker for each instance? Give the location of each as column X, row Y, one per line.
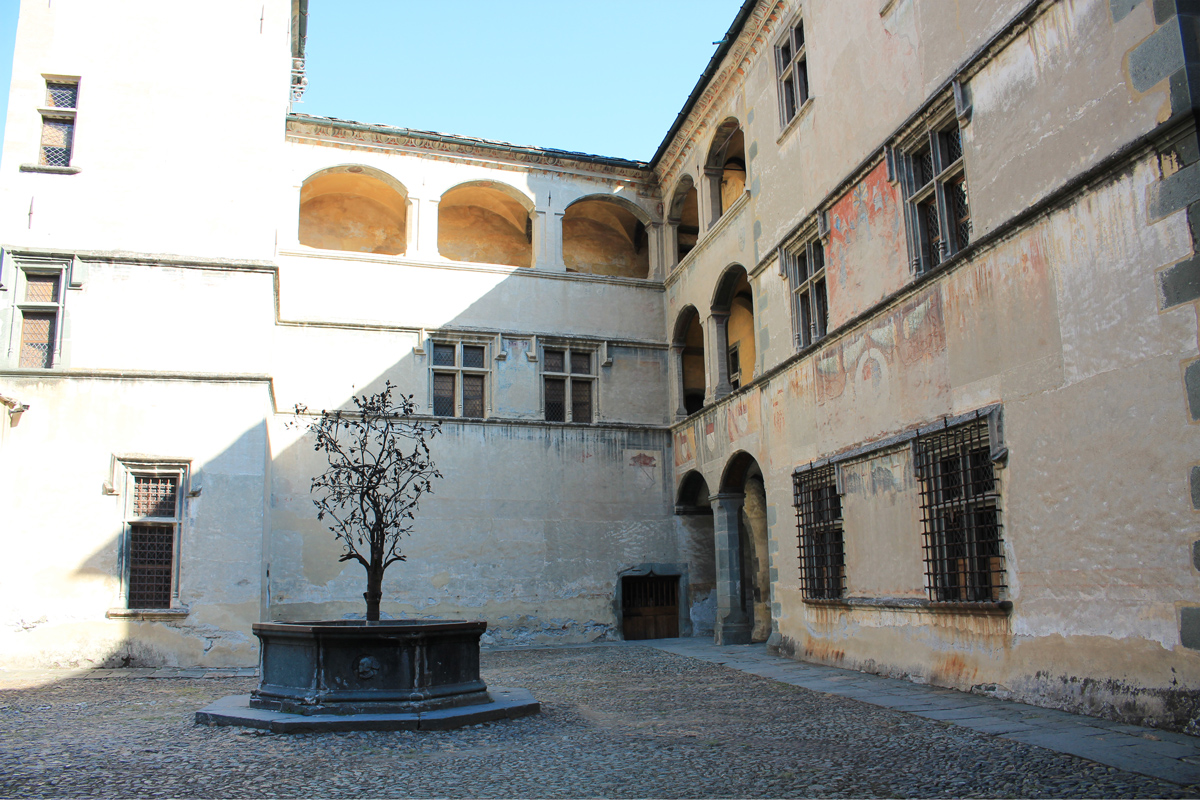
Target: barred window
column 822, row 549
column 58, row 123
column 459, row 379
column 791, row 68
column 935, row 186
column 153, row 515
column 40, row 310
column 964, row 551
column 804, row 266
column 568, row 373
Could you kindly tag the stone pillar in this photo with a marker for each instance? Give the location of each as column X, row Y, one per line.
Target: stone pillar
column 675, row 374
column 671, row 246
column 541, row 256
column 712, row 193
column 719, row 336
column 733, row 626
column 654, row 237
column 554, row 236
column 424, row 233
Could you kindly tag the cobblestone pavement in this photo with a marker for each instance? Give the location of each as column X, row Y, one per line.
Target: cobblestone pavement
column 617, row 721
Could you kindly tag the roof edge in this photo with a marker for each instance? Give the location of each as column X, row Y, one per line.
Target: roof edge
column 731, row 36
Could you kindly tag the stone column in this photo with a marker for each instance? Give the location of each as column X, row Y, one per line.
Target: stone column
column 654, row 237
column 671, row 246
column 733, row 626
column 676, row 377
column 719, row 336
column 712, row 192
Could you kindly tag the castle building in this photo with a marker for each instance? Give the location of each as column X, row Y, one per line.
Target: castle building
column 888, row 357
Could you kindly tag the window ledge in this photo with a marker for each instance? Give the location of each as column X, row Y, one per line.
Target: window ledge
column 49, row 169
column 801, row 112
column 147, row 613
column 985, row 608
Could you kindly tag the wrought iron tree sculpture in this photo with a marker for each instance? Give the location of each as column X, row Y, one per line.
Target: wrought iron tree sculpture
column 379, row 467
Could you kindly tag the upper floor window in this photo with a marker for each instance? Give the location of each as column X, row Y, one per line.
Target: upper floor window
column 569, row 384
column 459, row 375
column 58, row 122
column 938, row 214
column 40, row 310
column 804, row 266
column 791, row 67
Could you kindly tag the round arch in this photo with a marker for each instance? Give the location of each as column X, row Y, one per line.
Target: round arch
column 693, row 493
column 720, row 141
column 743, row 475
column 688, row 346
column 355, row 208
column 486, row 222
column 603, row 234
column 728, row 286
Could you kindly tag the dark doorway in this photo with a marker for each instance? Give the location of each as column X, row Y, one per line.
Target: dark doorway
column 650, row 607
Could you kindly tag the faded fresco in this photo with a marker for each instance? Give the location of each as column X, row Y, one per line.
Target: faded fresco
column 866, row 227
column 882, row 377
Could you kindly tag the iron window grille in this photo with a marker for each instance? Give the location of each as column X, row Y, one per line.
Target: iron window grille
column 460, row 372
column 40, row 309
column 937, row 212
column 804, row 266
column 960, row 512
column 154, row 500
column 568, row 384
column 791, row 68
column 822, row 548
column 58, row 123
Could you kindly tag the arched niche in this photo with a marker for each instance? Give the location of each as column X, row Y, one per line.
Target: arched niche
column 604, row 236
column 726, row 166
column 354, row 208
column 486, row 222
column 684, row 215
column 734, row 300
column 689, row 344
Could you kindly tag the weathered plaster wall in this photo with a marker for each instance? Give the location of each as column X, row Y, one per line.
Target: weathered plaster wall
column 127, row 194
column 66, row 530
column 534, row 548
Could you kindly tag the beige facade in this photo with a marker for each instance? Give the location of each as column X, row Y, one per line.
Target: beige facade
column 887, row 357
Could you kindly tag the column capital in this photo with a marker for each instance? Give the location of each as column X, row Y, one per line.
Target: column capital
column 727, row 499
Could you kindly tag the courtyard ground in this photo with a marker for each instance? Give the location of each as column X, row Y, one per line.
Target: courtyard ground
column 621, row 720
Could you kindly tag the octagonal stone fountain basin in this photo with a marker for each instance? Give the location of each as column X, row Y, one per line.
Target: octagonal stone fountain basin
column 353, row 675
column 357, row 667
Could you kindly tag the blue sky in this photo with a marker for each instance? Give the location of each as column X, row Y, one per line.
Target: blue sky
column 604, row 77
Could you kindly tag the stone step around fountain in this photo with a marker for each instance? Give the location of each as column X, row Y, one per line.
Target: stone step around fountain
column 343, row 675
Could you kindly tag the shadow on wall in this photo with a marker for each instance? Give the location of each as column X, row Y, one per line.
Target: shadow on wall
column 529, row 530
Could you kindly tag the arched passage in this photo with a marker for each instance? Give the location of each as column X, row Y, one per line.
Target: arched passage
column 354, row 208
column 725, row 167
column 694, row 511
column 688, row 350
column 743, row 563
column 684, row 217
column 603, row 236
column 733, row 310
column 486, row 222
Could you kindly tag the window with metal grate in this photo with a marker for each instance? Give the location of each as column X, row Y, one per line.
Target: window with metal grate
column 40, row 311
column 964, row 551
column 822, row 548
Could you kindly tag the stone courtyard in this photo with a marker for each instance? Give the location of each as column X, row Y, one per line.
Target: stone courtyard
column 620, row 720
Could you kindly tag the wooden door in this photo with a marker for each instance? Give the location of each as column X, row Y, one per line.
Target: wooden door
column 650, row 607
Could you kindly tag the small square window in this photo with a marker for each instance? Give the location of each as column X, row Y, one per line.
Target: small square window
column 459, row 379
column 568, row 396
column 40, row 312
